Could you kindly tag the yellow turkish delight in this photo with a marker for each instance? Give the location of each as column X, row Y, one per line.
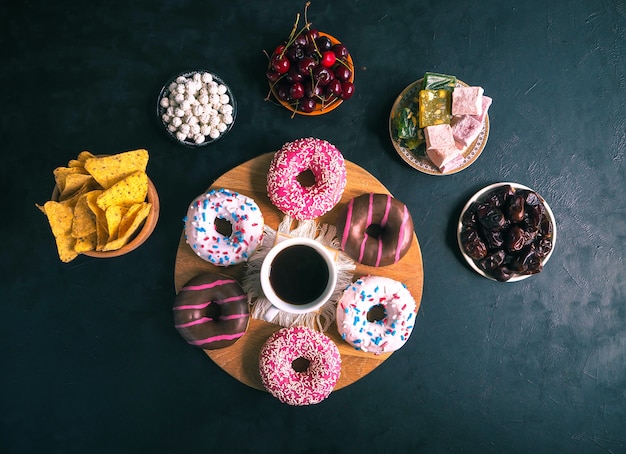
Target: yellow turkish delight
column 434, row 107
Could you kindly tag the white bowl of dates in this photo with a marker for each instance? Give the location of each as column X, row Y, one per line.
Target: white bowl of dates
column 311, row 73
column 196, row 108
column 506, row 232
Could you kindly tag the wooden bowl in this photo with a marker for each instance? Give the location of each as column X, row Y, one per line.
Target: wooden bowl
column 320, row 109
column 140, row 236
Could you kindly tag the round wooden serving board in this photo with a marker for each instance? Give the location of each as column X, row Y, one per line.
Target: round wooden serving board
column 240, row 360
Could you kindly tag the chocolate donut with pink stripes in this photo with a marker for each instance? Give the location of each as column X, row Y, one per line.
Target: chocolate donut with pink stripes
column 375, row 229
column 211, row 311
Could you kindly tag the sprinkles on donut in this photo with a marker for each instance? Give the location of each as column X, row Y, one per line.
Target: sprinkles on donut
column 298, row 200
column 239, row 213
column 285, row 380
column 211, row 311
column 376, row 314
column 375, row 229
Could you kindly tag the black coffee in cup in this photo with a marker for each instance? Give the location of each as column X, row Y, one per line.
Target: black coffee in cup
column 299, row 274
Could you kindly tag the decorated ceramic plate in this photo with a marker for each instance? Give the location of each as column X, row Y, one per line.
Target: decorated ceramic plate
column 416, row 156
column 525, row 230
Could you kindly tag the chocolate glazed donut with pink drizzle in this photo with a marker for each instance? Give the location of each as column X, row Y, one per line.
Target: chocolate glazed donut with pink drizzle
column 375, row 229
column 211, row 311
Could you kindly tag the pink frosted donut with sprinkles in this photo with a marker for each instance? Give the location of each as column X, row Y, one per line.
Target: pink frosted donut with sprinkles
column 211, row 311
column 299, row 366
column 223, row 227
column 375, row 229
column 298, row 200
column 376, row 314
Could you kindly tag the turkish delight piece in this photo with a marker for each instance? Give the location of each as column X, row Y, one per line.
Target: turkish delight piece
column 465, row 129
column 439, row 136
column 436, row 81
column 467, row 101
column 434, row 107
column 445, row 159
column 485, row 107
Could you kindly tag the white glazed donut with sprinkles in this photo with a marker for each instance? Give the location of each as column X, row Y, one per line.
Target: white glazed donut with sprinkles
column 300, row 201
column 218, row 247
column 283, row 379
column 376, row 314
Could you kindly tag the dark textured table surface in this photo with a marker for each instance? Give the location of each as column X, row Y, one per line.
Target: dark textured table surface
column 90, row 360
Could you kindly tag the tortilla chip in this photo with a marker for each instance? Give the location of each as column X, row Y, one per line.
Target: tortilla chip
column 74, row 182
column 114, row 216
column 132, row 189
column 61, row 173
column 133, row 219
column 84, row 223
column 84, row 155
column 136, row 222
column 60, row 218
column 86, row 243
column 108, row 170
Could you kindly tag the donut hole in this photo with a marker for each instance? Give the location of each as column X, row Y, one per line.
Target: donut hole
column 300, row 364
column 376, row 313
column 213, row 311
column 306, row 178
column 223, row 227
column 374, row 230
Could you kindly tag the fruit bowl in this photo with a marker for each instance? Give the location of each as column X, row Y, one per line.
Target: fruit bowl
column 196, row 108
column 506, row 232
column 306, row 79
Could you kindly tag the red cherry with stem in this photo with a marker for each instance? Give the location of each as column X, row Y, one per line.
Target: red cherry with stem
column 307, row 105
column 341, row 51
column 306, row 64
column 312, row 90
column 323, row 43
column 296, row 91
column 322, row 75
column 328, row 59
column 272, row 75
column 282, row 91
column 293, row 75
column 334, row 88
column 280, row 64
column 343, row 73
column 299, row 40
column 279, row 50
column 313, row 34
column 347, row 90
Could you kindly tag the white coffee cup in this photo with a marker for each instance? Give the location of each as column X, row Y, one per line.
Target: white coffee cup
column 298, row 275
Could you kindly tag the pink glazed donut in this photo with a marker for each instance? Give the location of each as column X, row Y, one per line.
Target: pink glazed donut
column 279, row 375
column 299, row 201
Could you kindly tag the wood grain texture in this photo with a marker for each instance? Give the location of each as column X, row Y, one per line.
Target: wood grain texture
column 241, row 359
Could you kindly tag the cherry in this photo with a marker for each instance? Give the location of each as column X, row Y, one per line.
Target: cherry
column 293, row 75
column 322, row 75
column 279, row 50
column 323, row 43
column 295, row 53
column 343, row 73
column 300, row 40
column 328, row 59
column 280, row 64
column 272, row 75
column 312, row 34
column 306, row 64
column 334, row 87
column 347, row 90
column 312, row 90
column 307, row 105
column 341, row 51
column 296, row 91
column 282, row 91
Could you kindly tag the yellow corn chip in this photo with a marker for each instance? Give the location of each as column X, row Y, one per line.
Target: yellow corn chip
column 86, row 243
column 114, row 216
column 134, row 217
column 84, row 155
column 61, row 173
column 60, row 218
column 84, row 219
column 74, row 182
column 108, row 170
column 132, row 189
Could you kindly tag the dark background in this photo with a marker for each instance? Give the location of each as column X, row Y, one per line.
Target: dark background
column 89, row 358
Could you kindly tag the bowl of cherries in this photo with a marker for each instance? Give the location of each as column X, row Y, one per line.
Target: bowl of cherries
column 311, row 73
